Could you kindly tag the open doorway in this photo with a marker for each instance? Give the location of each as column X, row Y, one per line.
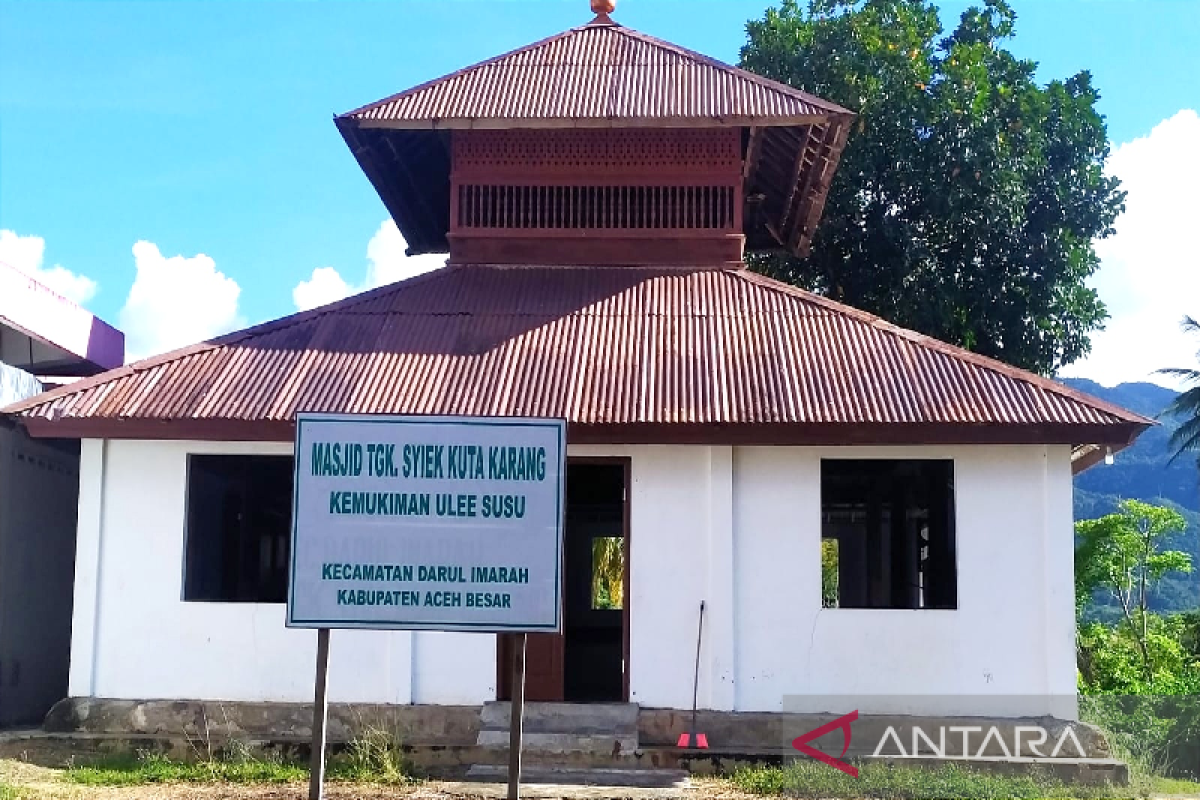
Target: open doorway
column 588, row 661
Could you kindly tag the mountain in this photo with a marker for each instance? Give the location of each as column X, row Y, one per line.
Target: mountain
column 1142, row 472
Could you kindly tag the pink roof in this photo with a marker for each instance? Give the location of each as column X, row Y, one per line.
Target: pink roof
column 86, row 343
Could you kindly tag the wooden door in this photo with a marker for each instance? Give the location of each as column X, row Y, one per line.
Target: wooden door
column 543, row 667
column 598, row 639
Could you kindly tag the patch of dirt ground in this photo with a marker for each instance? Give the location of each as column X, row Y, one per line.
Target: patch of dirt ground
column 41, row 783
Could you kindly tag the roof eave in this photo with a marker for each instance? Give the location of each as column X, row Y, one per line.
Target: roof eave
column 553, row 123
column 1086, row 456
column 1115, row 436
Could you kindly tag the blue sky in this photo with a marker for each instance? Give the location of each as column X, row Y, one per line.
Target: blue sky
column 205, row 128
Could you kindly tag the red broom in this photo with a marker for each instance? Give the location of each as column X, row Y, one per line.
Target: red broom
column 694, row 739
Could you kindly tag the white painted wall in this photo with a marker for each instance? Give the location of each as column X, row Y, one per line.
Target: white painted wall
column 134, row 637
column 736, row 527
column 1007, row 648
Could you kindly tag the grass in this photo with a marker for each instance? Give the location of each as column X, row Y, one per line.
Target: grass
column 1174, row 787
column 374, row 756
column 888, row 782
column 143, row 768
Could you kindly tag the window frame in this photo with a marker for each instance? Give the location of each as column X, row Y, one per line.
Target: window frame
column 950, row 517
column 186, row 554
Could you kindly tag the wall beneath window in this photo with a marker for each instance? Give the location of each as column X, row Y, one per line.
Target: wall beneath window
column 738, row 528
column 1007, row 650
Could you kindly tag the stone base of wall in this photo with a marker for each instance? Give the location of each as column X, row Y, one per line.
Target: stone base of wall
column 740, row 733
column 207, row 719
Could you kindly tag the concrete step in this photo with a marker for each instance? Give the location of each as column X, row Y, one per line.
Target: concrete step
column 621, row 718
column 639, row 778
column 608, row 729
column 602, row 743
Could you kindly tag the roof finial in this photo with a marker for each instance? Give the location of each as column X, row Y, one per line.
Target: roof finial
column 602, row 8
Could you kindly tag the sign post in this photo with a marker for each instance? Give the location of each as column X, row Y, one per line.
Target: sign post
column 426, row 523
column 516, row 719
column 316, row 772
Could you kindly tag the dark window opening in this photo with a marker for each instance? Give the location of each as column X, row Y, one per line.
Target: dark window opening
column 887, row 532
column 239, row 511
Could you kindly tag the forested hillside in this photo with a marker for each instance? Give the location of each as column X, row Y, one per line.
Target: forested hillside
column 1142, row 472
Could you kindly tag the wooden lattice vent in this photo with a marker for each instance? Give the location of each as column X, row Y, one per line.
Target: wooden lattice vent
column 663, row 196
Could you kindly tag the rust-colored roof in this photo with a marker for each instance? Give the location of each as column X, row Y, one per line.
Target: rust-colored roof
column 602, row 75
column 599, row 74
column 624, row 354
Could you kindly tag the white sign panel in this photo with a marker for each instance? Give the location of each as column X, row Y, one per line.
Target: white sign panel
column 427, row 523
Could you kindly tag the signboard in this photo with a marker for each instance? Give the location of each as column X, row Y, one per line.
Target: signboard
column 427, row 523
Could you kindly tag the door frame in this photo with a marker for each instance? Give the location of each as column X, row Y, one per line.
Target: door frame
column 503, row 653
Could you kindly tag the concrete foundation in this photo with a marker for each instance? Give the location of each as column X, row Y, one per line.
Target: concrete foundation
column 450, row 740
column 657, row 729
column 424, row 724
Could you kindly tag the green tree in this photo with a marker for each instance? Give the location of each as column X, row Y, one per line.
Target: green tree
column 968, row 196
column 1186, row 407
column 608, row 572
column 830, row 576
column 1120, row 554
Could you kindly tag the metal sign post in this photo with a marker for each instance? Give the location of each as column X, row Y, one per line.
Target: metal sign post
column 516, row 719
column 316, row 777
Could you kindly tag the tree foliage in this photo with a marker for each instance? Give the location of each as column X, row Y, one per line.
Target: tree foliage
column 1120, row 554
column 968, row 196
column 608, row 572
column 830, row 576
column 1186, row 407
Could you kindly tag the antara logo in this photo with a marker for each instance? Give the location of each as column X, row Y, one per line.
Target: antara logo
column 1036, row 738
column 1026, row 740
column 843, row 722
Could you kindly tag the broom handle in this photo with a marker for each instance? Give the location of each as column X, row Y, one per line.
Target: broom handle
column 696, row 677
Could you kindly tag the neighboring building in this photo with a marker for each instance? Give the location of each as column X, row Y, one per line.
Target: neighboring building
column 43, row 337
column 46, row 336
column 595, row 192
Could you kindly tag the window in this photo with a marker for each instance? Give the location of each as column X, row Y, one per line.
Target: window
column 887, row 532
column 239, row 511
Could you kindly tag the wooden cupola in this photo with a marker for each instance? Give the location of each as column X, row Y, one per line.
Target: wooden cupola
column 601, row 145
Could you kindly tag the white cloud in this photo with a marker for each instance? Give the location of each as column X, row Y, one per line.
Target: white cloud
column 386, row 263
column 325, row 286
column 1150, row 272
column 26, row 254
column 176, row 301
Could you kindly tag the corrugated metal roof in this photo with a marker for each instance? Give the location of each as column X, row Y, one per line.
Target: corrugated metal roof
column 600, row 73
column 597, row 346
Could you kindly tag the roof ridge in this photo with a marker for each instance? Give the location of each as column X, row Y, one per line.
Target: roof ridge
column 765, row 82
column 616, row 28
column 298, row 317
column 937, row 345
column 462, row 71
